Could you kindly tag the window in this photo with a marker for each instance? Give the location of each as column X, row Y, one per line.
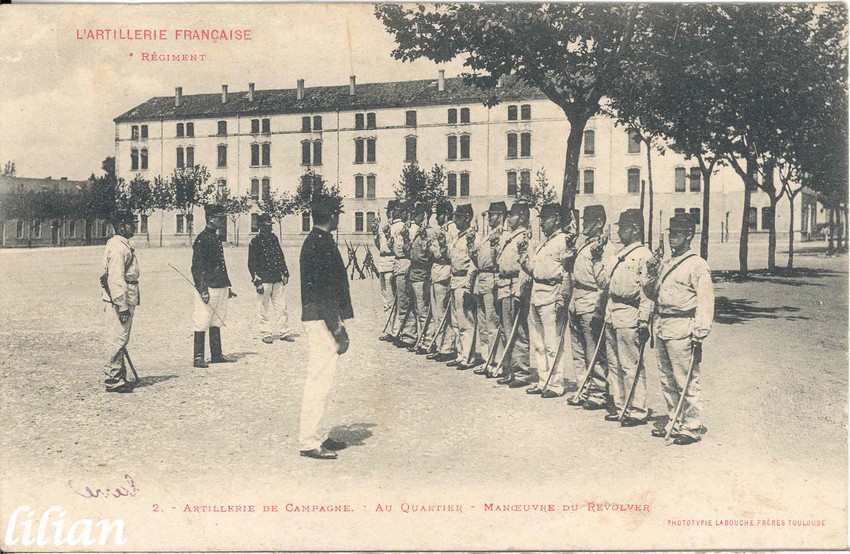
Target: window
column 358, row 121
column 317, row 123
column 695, row 179
column 222, row 128
column 371, row 122
column 255, row 189
column 410, row 149
column 306, row 124
column 143, row 158
column 370, row 150
column 255, row 223
column 19, row 229
column 525, row 182
column 358, row 222
column 679, row 180
column 267, row 154
column 317, row 152
column 134, row 159
column 589, row 143
column 464, row 147
column 766, row 217
column 222, row 155
column 370, row 220
column 452, row 116
column 72, row 228
column 410, row 118
column 464, row 115
column 134, row 132
column 101, row 229
column 358, row 150
column 255, row 126
column 752, row 220
column 696, row 216
column 190, row 156
column 633, row 186
column 525, row 145
column 452, row 144
column 305, row 152
column 525, row 112
column 512, row 113
column 184, row 224
column 180, row 160
column 464, row 184
column 267, row 188
column 180, row 132
column 358, row 186
column 190, row 129
column 144, row 131
column 143, row 226
column 267, row 126
column 512, row 145
column 512, row 190
column 255, row 154
column 370, row 186
column 588, row 181
column 634, row 143
column 452, row 184
column 305, row 222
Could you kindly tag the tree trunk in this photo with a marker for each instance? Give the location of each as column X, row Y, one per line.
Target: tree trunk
column 791, row 233
column 706, row 215
column 846, row 227
column 571, row 176
column 743, row 243
column 839, row 223
column 771, row 236
column 649, row 178
column 830, row 245
column 642, row 203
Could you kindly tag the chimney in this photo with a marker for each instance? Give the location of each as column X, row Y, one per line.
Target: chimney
column 299, row 93
column 224, row 94
column 250, row 92
column 441, row 81
column 178, row 97
column 351, row 81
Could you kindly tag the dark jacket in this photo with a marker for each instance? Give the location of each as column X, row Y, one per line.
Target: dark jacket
column 266, row 262
column 324, row 284
column 208, row 267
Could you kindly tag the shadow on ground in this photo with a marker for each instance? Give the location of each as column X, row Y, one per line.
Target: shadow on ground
column 728, row 311
column 796, row 277
column 150, row 380
column 354, row 434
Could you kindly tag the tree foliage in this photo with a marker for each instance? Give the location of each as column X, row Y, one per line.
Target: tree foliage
column 312, row 185
column 538, row 194
column 420, row 186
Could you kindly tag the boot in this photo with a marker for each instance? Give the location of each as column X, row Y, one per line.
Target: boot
column 216, row 356
column 198, row 360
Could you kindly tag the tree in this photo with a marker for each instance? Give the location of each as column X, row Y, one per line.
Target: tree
column 573, row 53
column 21, row 204
column 9, row 169
column 143, row 197
column 278, row 205
column 108, row 166
column 234, row 207
column 310, row 185
column 187, row 188
column 420, row 186
column 541, row 193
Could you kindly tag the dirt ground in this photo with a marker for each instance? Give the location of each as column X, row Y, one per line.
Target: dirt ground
column 420, row 435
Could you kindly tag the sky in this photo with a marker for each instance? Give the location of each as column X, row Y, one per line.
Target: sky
column 60, row 94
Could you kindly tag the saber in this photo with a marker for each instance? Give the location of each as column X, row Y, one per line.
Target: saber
column 441, row 328
column 130, row 363
column 632, row 389
column 560, row 350
column 196, row 291
column 492, row 355
column 577, row 396
column 391, row 316
column 696, row 356
column 473, row 346
column 428, row 318
column 509, row 344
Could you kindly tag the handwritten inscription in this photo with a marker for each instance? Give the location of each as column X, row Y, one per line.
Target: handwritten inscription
column 126, row 488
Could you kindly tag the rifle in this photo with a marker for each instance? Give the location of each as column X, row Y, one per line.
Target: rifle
column 441, row 328
column 509, row 344
column 576, row 398
column 492, row 354
column 696, row 357
column 632, row 389
column 391, row 316
column 132, row 367
column 428, row 318
column 560, row 351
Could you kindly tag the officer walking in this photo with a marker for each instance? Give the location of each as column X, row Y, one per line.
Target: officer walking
column 210, row 274
column 684, row 295
column 484, row 256
column 267, row 266
column 120, row 282
column 439, row 236
column 462, row 282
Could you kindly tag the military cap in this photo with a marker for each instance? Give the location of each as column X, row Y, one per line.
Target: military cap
column 520, row 208
column 264, row 219
column 211, row 210
column 548, row 210
column 325, row 205
column 445, row 208
column 682, row 222
column 122, row 216
column 404, row 206
column 464, row 209
column 497, row 208
column 422, row 207
column 392, row 205
column 595, row 212
column 632, row 216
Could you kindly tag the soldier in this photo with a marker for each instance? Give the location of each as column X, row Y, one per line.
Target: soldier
column 627, row 318
column 386, row 258
column 403, row 333
column 483, row 256
column 512, row 293
column 420, row 266
column 586, row 311
column 120, row 282
column 684, row 295
column 444, row 233
column 548, row 267
column 209, row 271
column 267, row 267
column 463, row 278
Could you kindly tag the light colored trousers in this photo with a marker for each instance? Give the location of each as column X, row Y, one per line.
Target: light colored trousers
column 213, row 313
column 586, row 331
column 519, row 355
column 421, row 307
column 544, row 322
column 387, row 292
column 321, row 367
column 440, row 301
column 271, row 307
column 117, row 337
column 402, row 308
column 623, row 351
column 674, row 359
column 488, row 322
column 463, row 324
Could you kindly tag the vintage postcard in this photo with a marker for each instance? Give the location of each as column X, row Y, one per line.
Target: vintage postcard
column 311, row 277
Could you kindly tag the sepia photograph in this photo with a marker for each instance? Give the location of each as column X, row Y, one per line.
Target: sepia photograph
column 423, row 277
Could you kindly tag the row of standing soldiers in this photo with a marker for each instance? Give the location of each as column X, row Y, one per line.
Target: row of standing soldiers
column 502, row 303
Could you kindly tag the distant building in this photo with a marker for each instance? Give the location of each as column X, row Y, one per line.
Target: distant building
column 361, row 135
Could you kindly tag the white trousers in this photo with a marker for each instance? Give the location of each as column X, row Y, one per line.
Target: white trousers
column 117, row 337
column 271, row 307
column 321, row 367
column 213, row 313
column 544, row 322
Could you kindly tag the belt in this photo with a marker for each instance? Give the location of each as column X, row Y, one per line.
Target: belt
column 509, row 274
column 131, row 282
column 402, row 258
column 488, row 271
column 634, row 302
column 688, row 314
column 461, row 273
column 582, row 286
column 552, row 281
column 387, row 255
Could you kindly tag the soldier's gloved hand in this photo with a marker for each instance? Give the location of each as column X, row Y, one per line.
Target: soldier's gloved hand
column 696, row 340
column 494, row 240
column 205, row 296
column 596, row 250
column 259, row 287
column 441, row 239
column 652, row 265
column 341, row 338
column 124, row 316
column 643, row 331
column 231, row 294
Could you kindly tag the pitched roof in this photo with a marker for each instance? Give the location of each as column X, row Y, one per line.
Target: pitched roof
column 10, row 184
column 369, row 96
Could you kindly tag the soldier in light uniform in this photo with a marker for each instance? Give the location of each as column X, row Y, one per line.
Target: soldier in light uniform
column 586, row 312
column 440, row 235
column 462, row 282
column 511, row 292
column 386, row 258
column 483, row 256
column 626, row 317
column 420, row 266
column 401, row 231
column 121, row 291
column 684, row 295
column 548, row 265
